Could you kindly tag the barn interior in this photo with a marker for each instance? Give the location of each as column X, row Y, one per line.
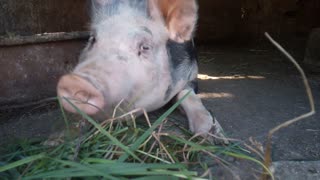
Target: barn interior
column 249, row 85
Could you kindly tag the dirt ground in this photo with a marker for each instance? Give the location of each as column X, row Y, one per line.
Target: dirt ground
column 255, row 89
column 250, row 90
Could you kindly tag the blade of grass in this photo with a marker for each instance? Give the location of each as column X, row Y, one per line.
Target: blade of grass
column 154, row 157
column 98, row 160
column 143, row 137
column 195, row 145
column 64, row 117
column 22, row 162
column 10, row 156
column 84, row 168
column 116, row 164
column 103, row 131
column 74, row 172
column 115, row 169
column 220, row 151
column 157, row 178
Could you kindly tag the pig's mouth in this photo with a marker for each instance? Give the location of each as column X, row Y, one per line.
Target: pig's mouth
column 74, row 90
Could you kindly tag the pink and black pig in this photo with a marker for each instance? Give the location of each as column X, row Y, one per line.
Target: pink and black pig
column 140, row 53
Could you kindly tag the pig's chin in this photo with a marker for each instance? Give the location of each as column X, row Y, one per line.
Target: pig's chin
column 74, row 90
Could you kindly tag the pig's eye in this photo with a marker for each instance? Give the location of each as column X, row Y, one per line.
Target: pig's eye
column 143, row 49
column 91, row 42
column 92, row 39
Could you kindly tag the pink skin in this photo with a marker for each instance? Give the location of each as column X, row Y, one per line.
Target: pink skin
column 81, row 91
column 118, row 65
column 129, row 62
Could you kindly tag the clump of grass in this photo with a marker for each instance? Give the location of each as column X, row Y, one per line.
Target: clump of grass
column 118, row 149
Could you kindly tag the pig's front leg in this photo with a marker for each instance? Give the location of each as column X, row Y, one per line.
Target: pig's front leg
column 200, row 119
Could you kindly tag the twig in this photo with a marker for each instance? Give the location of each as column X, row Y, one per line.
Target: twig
column 163, row 147
column 157, row 138
column 223, row 138
column 206, row 173
column 114, row 114
column 121, row 117
column 254, row 150
column 103, row 124
column 185, row 157
column 109, row 151
column 155, row 142
column 147, row 118
column 267, row 156
column 116, row 108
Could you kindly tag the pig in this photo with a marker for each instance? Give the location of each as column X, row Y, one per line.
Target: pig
column 140, row 53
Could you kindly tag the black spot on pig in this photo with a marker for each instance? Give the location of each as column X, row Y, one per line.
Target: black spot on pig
column 183, row 59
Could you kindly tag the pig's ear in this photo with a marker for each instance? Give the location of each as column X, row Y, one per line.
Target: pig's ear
column 180, row 17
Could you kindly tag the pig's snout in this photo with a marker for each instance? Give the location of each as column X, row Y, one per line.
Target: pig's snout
column 81, row 93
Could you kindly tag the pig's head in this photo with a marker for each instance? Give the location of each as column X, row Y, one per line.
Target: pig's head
column 125, row 59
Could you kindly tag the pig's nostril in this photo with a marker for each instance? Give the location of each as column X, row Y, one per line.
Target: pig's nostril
column 83, row 96
column 81, row 93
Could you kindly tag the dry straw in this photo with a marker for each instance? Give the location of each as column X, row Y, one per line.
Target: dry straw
column 267, row 156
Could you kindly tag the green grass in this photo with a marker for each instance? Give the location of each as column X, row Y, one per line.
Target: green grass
column 120, row 149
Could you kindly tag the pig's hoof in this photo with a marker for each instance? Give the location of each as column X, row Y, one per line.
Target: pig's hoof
column 216, row 134
column 208, row 127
